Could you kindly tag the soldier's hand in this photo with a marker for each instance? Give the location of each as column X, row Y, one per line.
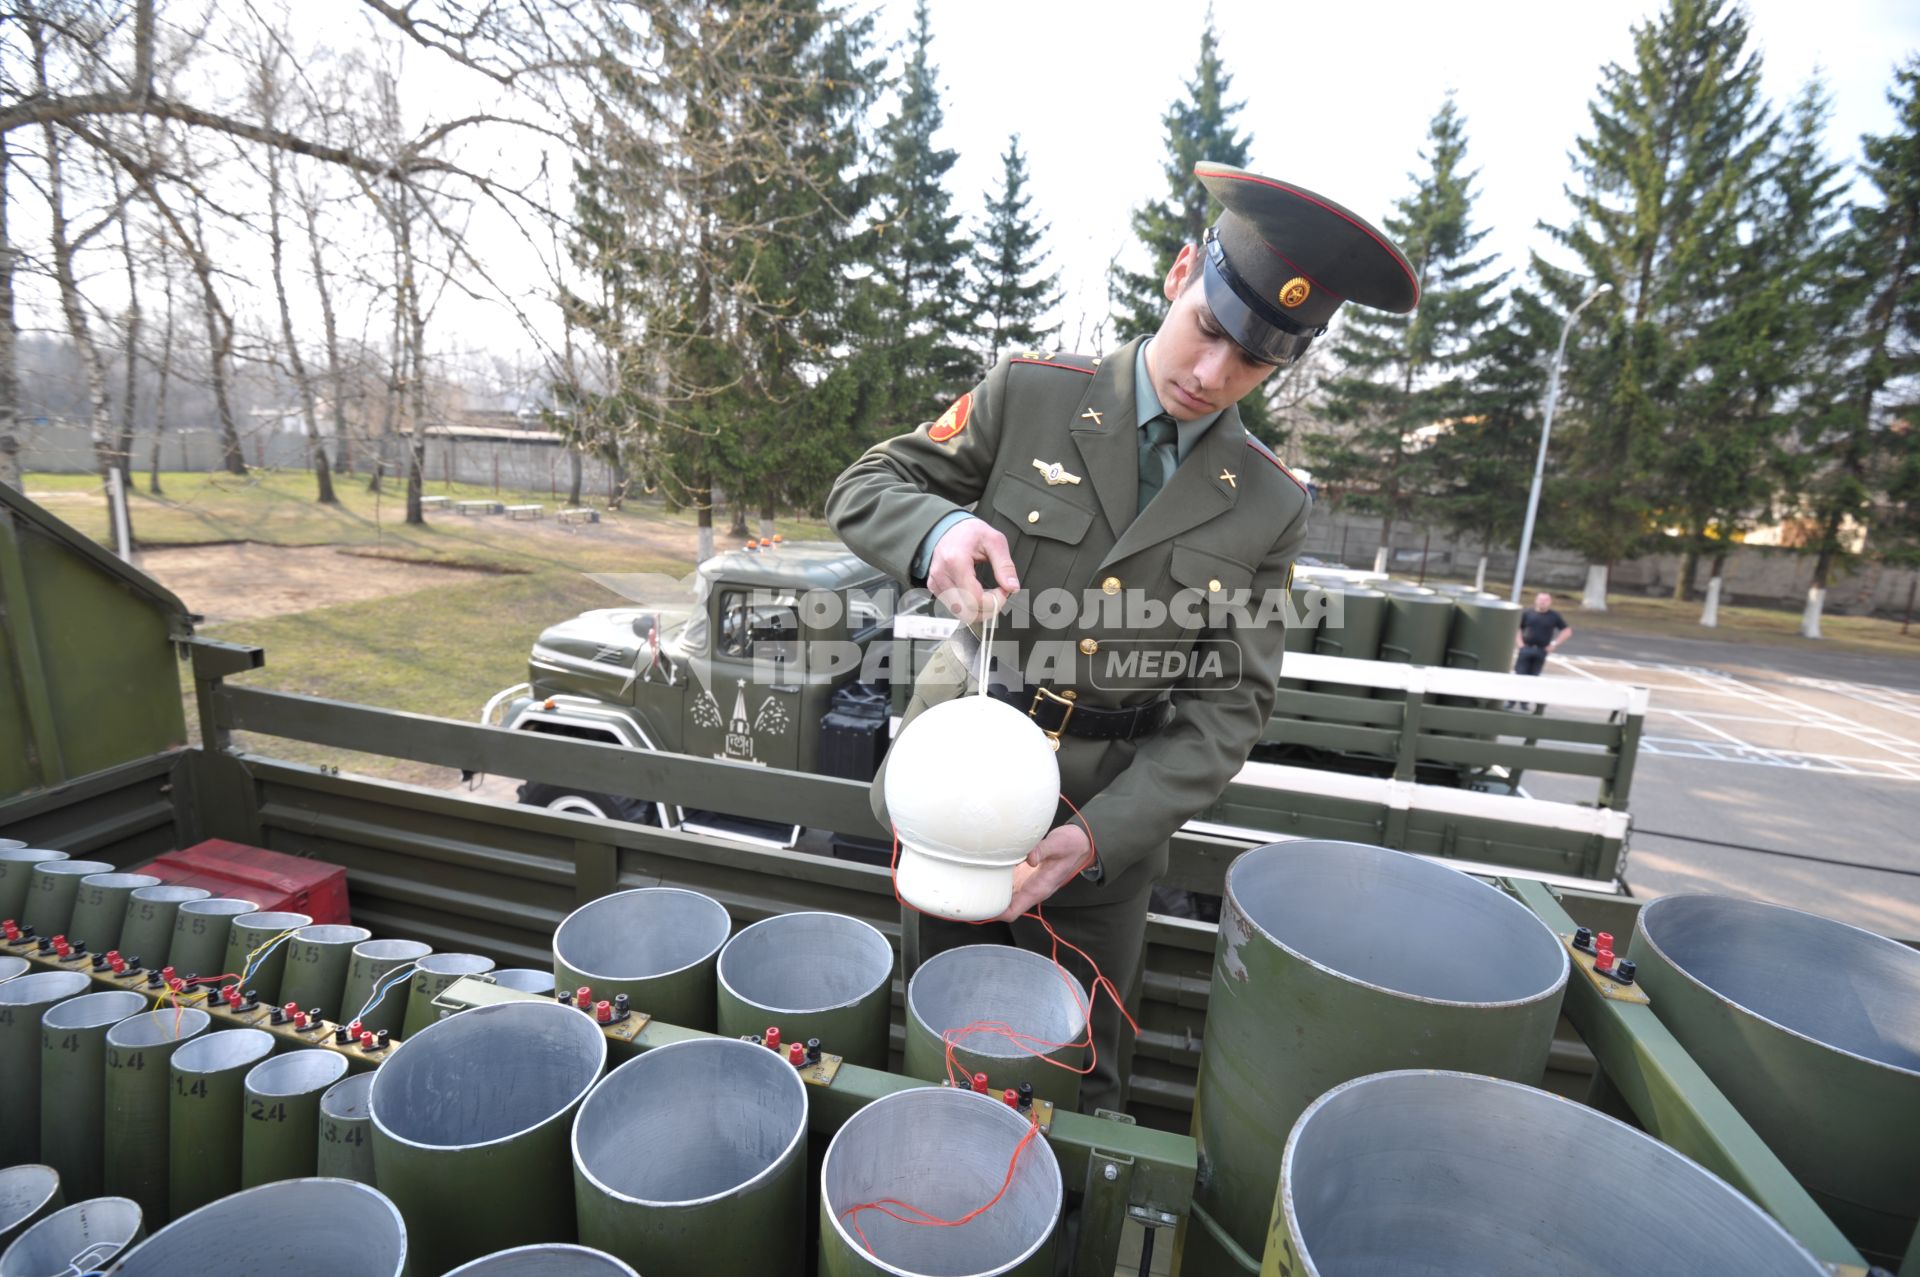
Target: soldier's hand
column 1053, row 863
column 950, row 573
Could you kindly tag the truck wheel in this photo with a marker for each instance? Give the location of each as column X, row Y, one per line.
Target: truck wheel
column 583, row 803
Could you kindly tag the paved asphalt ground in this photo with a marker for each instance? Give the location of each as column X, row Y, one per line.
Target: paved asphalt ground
column 1783, row 774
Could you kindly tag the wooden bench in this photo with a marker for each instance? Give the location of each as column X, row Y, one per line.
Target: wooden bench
column 525, row 511
column 435, row 503
column 478, row 507
column 579, row 514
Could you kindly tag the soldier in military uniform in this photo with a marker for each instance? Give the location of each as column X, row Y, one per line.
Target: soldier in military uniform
column 1126, row 487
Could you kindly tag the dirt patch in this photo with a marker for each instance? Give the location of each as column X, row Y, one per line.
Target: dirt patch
column 247, row 581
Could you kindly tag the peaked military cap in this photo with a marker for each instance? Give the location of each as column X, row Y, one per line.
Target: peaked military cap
column 1281, row 260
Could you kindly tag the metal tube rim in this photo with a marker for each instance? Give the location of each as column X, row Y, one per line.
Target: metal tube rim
column 1001, row 1113
column 306, row 1072
column 772, row 1168
column 245, row 1205
column 350, row 1099
column 1533, row 1094
column 1645, row 933
column 157, row 1028
column 465, row 1022
column 37, row 1195
column 453, row 964
column 383, row 950
column 171, row 893
column 871, row 935
column 39, row 987
column 705, row 902
column 332, row 933
column 481, row 1266
column 232, row 1049
column 1000, row 1047
column 132, row 882
column 281, row 920
column 29, row 856
column 122, row 1211
column 98, row 1010
column 84, row 868
column 1551, row 991
column 220, row 907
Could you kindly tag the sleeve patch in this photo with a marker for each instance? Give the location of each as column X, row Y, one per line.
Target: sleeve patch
column 953, row 420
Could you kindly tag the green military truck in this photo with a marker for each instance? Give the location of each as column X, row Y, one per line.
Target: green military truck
column 99, row 764
column 1394, row 725
column 783, row 659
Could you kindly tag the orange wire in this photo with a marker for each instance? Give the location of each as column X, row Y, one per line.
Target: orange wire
column 1026, row 1042
column 926, row 1218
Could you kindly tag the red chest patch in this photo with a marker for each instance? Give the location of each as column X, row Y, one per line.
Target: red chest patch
column 953, row 420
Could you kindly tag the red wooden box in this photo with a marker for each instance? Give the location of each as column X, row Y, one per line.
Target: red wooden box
column 273, row 880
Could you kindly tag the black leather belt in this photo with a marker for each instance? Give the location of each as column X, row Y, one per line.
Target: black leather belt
column 1061, row 712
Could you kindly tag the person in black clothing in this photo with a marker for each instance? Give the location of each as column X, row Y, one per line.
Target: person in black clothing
column 1541, row 631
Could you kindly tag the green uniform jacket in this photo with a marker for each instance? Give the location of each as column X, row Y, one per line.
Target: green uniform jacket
column 1224, row 530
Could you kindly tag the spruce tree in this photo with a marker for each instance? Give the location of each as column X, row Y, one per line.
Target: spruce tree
column 1860, row 443
column 1771, row 314
column 1199, row 127
column 1013, row 297
column 782, row 445
column 1402, row 378
column 713, row 204
column 1677, row 138
column 1482, row 464
column 921, row 299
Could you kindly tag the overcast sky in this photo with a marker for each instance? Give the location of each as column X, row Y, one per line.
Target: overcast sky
column 1338, row 97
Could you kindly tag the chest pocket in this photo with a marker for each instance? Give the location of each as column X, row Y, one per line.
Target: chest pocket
column 1205, row 581
column 1044, row 528
column 1035, row 511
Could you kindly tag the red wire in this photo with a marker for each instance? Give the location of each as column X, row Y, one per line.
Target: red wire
column 1026, row 1042
column 926, row 1218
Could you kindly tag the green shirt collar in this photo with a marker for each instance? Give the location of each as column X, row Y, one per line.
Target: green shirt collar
column 1146, row 405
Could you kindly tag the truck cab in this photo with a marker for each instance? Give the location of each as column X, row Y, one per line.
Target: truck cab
column 782, row 658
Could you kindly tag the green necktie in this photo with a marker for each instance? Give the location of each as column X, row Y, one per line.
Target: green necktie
column 1158, row 456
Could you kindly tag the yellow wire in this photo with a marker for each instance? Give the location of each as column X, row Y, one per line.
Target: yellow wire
column 246, row 966
column 201, row 995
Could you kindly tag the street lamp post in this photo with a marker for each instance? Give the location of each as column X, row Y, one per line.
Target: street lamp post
column 1546, row 430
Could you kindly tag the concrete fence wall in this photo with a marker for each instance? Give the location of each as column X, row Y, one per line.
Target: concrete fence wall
column 1755, row 575
column 539, row 465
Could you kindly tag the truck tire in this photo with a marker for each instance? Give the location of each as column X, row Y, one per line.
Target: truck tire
column 580, row 802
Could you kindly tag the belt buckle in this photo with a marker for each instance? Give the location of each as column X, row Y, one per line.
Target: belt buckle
column 1066, row 699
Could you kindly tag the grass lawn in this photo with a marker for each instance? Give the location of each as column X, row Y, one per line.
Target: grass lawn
column 445, row 650
column 440, row 651
column 277, row 508
column 1767, row 626
column 1770, row 627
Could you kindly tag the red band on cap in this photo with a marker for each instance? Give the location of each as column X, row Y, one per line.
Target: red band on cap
column 1299, row 270
column 1322, row 204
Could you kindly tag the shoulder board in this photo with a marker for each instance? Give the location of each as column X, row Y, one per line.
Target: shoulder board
column 1060, row 359
column 1267, row 452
